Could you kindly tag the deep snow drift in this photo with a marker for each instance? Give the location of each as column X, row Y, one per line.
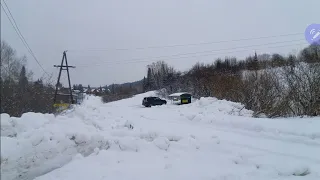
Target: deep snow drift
column 208, row 139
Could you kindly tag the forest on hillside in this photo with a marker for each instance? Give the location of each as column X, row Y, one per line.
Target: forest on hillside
column 269, row 84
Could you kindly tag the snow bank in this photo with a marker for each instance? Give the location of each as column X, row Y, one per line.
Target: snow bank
column 223, row 106
column 11, row 126
column 7, row 126
column 38, row 143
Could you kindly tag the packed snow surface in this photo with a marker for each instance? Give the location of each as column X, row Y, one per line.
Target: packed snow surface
column 208, row 139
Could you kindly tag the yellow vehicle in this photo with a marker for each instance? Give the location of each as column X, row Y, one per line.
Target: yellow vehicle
column 59, row 107
column 63, row 102
column 180, row 98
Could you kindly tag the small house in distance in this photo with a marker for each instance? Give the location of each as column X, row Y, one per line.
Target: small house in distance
column 180, row 98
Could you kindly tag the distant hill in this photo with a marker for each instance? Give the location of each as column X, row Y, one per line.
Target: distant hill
column 127, row 84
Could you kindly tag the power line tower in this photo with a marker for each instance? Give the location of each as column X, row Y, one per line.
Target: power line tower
column 64, row 67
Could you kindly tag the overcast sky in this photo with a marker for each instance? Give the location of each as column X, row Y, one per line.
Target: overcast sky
column 95, row 31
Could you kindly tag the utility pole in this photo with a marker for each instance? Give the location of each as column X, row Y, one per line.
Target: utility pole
column 63, row 67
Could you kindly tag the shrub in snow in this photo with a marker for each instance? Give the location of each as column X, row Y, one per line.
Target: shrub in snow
column 127, row 144
column 301, row 172
column 129, row 125
column 162, row 143
column 174, row 138
column 149, row 136
column 294, row 169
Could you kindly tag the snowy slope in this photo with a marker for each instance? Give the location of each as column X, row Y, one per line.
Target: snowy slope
column 208, row 139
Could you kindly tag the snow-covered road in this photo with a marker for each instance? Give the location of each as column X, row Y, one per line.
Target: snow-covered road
column 208, row 139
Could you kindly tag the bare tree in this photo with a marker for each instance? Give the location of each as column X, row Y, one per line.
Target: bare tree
column 18, row 93
column 11, row 64
column 303, row 85
column 160, row 73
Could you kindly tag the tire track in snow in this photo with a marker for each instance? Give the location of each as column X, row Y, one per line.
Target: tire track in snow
column 265, row 136
column 249, row 133
column 272, row 152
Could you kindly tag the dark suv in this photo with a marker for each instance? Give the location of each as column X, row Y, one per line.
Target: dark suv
column 153, row 101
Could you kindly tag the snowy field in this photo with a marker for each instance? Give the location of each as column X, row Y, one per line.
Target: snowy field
column 208, row 139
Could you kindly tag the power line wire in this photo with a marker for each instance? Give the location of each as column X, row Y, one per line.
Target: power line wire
column 181, row 45
column 212, row 54
column 16, row 28
column 182, row 54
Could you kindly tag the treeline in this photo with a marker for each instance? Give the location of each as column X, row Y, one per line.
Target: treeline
column 19, row 94
column 271, row 85
column 112, row 92
column 116, row 92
